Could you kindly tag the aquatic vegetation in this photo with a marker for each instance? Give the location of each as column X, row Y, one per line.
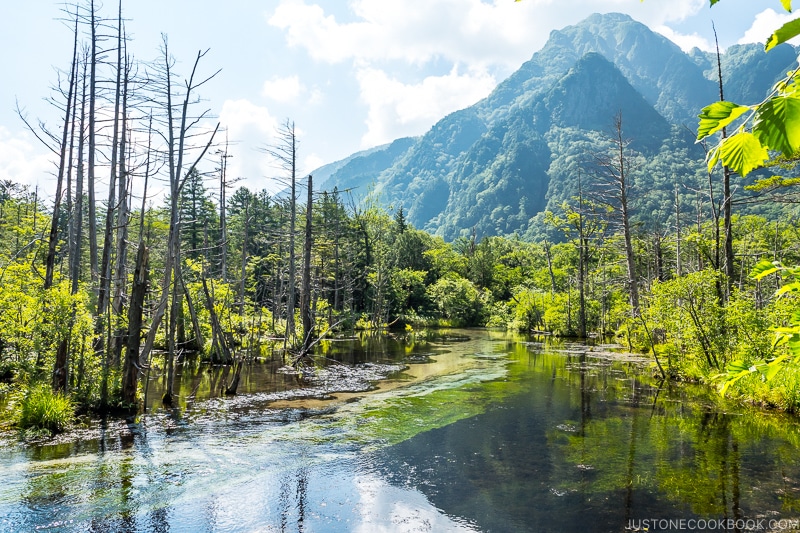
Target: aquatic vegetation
column 43, row 409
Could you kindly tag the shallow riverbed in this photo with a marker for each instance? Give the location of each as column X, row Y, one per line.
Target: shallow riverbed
column 479, row 431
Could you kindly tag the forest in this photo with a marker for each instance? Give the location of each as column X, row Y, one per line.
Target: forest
column 97, row 291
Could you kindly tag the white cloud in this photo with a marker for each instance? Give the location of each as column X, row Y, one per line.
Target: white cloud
column 312, row 162
column 249, row 128
column 23, row 160
column 397, row 109
column 283, row 90
column 764, row 24
column 686, row 42
column 467, row 31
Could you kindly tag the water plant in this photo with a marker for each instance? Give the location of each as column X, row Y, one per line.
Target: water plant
column 44, row 410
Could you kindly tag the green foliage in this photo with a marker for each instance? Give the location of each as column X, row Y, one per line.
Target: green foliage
column 527, row 309
column 774, row 123
column 786, row 32
column 787, row 335
column 409, row 292
column 458, row 300
column 689, row 311
column 42, row 409
column 717, row 116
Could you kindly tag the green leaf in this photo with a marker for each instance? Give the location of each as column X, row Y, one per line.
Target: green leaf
column 713, row 158
column 794, row 345
column 789, row 287
column 736, row 367
column 784, row 33
column 742, row 152
column 736, row 371
column 716, row 116
column 764, row 268
column 777, row 124
column 773, row 367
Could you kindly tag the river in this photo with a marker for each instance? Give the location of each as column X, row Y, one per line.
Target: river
column 483, row 431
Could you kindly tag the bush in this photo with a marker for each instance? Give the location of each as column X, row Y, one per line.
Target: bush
column 458, row 300
column 42, row 409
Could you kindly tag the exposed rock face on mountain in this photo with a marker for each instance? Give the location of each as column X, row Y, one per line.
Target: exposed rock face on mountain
column 493, row 167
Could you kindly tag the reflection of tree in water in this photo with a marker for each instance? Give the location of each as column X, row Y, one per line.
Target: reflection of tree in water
column 293, row 505
column 703, row 460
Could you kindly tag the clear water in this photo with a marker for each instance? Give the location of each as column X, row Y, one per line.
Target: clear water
column 495, row 433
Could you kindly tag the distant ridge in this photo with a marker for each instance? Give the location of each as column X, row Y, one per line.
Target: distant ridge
column 494, row 167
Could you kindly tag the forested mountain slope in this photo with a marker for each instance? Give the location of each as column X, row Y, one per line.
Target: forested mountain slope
column 493, row 168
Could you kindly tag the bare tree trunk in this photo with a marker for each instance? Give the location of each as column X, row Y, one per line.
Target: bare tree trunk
column 678, row 271
column 77, row 240
column 223, row 219
column 582, row 265
column 550, row 268
column 105, row 265
column 92, row 150
column 292, row 220
column 120, row 272
column 305, row 294
column 243, row 278
column 726, row 191
column 132, row 366
column 615, row 181
column 61, row 362
column 198, row 333
column 176, row 148
column 624, row 186
column 62, row 164
column 285, row 152
column 220, row 342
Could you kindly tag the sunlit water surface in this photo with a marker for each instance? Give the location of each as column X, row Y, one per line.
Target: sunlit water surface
column 483, row 432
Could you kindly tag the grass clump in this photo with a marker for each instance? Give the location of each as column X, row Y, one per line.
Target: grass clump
column 44, row 410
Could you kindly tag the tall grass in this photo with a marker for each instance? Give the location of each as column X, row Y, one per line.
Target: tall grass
column 42, row 409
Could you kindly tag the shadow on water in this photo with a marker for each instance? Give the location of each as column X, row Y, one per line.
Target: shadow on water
column 483, row 431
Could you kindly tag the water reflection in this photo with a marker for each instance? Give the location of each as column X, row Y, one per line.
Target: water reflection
column 498, row 433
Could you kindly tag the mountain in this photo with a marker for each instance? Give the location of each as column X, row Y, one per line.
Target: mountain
column 494, row 167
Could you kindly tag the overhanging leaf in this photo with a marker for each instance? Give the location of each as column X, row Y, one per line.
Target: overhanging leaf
column 777, row 124
column 713, row 158
column 784, row 33
column 764, row 268
column 742, row 152
column 716, row 116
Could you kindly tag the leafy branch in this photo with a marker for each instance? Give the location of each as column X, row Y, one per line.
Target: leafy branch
column 772, row 125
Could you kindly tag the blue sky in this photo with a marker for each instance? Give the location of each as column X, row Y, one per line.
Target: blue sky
column 350, row 74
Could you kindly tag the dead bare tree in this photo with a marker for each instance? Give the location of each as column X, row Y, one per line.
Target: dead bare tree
column 177, row 133
column 285, row 154
column 305, row 291
column 615, row 179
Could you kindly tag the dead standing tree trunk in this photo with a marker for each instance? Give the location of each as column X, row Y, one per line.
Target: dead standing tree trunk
column 176, row 148
column 615, row 179
column 726, row 193
column 62, row 356
column 131, row 367
column 105, row 266
column 305, row 292
column 285, row 153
